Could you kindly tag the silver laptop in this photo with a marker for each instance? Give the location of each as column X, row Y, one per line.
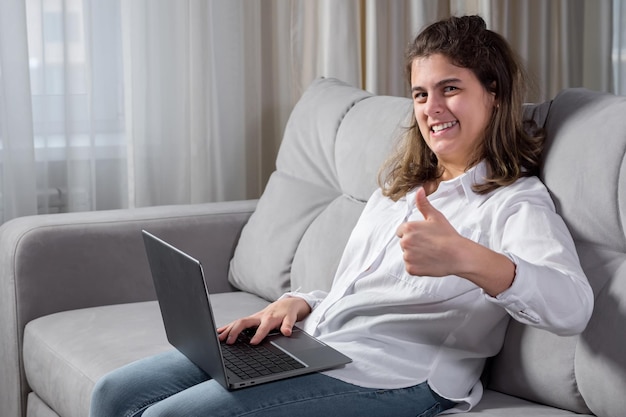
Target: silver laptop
column 190, row 327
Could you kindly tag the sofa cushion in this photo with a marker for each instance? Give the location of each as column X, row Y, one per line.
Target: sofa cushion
column 600, row 360
column 365, row 138
column 304, row 183
column 65, row 353
column 585, row 171
column 495, row 404
column 263, row 257
column 335, row 141
column 318, row 252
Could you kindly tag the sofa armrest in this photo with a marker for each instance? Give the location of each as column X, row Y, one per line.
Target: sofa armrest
column 58, row 262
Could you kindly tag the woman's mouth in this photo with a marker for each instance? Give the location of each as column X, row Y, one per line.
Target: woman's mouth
column 442, row 126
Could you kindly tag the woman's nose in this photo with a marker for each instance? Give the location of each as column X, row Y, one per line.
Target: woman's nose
column 433, row 106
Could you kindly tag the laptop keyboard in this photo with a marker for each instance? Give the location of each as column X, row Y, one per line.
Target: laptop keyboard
column 252, row 361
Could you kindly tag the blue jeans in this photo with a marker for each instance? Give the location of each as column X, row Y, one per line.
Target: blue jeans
column 169, row 384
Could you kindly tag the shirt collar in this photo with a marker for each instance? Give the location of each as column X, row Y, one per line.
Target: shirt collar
column 474, row 175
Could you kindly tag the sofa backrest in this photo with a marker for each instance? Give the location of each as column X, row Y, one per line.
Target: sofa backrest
column 585, row 170
column 335, row 141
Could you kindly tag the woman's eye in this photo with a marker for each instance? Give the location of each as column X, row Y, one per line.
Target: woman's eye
column 419, row 96
column 449, row 89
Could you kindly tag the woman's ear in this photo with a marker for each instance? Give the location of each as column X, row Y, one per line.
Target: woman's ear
column 492, row 90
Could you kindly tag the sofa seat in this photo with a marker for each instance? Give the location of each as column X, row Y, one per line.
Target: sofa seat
column 68, row 352
column 496, row 404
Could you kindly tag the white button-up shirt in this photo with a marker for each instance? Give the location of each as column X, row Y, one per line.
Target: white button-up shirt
column 401, row 330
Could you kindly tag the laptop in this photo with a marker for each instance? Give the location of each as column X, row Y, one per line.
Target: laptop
column 190, row 326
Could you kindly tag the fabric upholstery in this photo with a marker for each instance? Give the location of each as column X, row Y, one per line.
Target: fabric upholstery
column 364, row 139
column 589, row 186
column 334, row 143
column 305, row 181
column 263, row 257
column 495, row 404
column 67, row 352
column 37, row 408
column 585, row 170
column 58, row 262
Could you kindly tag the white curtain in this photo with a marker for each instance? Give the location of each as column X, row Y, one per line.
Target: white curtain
column 17, row 169
column 130, row 103
column 193, row 78
column 60, row 113
column 619, row 46
column 326, row 41
column 563, row 43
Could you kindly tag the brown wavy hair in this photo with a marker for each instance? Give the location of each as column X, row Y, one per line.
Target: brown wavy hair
column 509, row 151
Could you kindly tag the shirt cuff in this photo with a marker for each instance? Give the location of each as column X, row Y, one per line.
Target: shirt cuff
column 515, row 298
column 313, row 299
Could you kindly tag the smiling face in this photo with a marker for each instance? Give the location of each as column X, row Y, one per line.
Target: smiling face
column 452, row 109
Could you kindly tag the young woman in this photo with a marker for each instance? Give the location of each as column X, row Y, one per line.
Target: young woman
column 460, row 237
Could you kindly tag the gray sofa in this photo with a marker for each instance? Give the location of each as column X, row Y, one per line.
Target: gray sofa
column 76, row 297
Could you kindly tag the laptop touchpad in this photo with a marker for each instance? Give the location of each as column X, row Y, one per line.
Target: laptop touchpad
column 298, row 341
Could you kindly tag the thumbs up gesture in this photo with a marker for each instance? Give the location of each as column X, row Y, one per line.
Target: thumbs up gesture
column 432, row 247
column 429, row 246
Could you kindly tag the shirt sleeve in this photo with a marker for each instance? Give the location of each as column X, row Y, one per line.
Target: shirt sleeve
column 550, row 290
column 313, row 298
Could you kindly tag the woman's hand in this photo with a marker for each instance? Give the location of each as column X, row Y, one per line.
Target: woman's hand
column 432, row 247
column 429, row 246
column 282, row 314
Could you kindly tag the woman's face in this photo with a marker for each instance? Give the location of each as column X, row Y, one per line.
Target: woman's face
column 452, row 109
